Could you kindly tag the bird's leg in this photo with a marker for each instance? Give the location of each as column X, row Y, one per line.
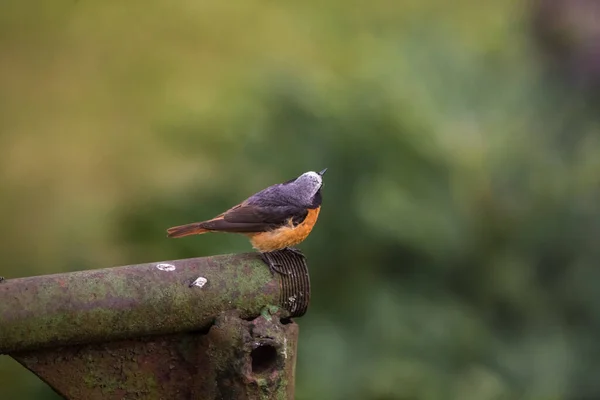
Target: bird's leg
column 295, row 251
column 273, row 266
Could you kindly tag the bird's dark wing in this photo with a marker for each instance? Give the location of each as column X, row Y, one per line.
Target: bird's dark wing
column 245, row 218
column 267, row 214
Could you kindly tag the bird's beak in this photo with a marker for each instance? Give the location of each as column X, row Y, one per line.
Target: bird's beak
column 323, row 172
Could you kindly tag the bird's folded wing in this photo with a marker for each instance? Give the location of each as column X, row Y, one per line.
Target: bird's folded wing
column 254, row 218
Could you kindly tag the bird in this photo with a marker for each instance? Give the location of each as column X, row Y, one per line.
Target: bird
column 274, row 219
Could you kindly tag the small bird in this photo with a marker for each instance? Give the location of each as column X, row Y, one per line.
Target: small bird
column 276, row 218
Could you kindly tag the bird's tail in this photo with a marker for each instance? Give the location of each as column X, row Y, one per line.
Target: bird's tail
column 185, row 230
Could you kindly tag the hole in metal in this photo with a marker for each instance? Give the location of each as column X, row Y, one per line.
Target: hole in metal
column 263, row 359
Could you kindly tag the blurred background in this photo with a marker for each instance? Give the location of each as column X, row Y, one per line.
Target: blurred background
column 456, row 255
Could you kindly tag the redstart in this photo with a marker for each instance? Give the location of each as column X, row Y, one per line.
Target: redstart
column 276, row 218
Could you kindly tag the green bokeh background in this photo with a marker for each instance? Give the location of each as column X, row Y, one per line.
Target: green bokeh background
column 456, row 256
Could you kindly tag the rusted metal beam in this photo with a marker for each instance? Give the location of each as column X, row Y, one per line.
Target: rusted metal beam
column 146, row 299
column 235, row 360
column 203, row 328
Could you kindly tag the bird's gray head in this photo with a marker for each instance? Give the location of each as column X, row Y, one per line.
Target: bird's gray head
column 306, row 187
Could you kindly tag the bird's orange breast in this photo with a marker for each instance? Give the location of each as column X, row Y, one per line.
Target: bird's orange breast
column 285, row 236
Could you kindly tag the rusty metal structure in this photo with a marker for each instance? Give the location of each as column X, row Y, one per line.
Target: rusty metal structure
column 202, row 328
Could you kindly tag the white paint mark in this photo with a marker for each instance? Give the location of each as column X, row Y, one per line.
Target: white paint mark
column 201, row 281
column 166, row 267
column 284, row 347
column 292, row 299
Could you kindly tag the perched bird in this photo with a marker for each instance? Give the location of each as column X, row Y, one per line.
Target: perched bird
column 276, row 218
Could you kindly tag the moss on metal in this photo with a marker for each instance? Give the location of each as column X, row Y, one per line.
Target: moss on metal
column 122, row 302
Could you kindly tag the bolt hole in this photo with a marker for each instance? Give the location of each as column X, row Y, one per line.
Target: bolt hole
column 285, row 321
column 263, row 359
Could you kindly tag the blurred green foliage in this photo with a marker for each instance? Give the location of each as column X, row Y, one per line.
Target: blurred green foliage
column 456, row 253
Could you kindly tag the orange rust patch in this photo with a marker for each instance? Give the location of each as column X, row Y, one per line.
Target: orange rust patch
column 285, row 236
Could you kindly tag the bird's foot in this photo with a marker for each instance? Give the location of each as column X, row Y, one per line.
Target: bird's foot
column 273, row 266
column 295, row 251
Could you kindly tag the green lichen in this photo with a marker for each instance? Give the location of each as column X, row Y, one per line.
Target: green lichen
column 268, row 311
